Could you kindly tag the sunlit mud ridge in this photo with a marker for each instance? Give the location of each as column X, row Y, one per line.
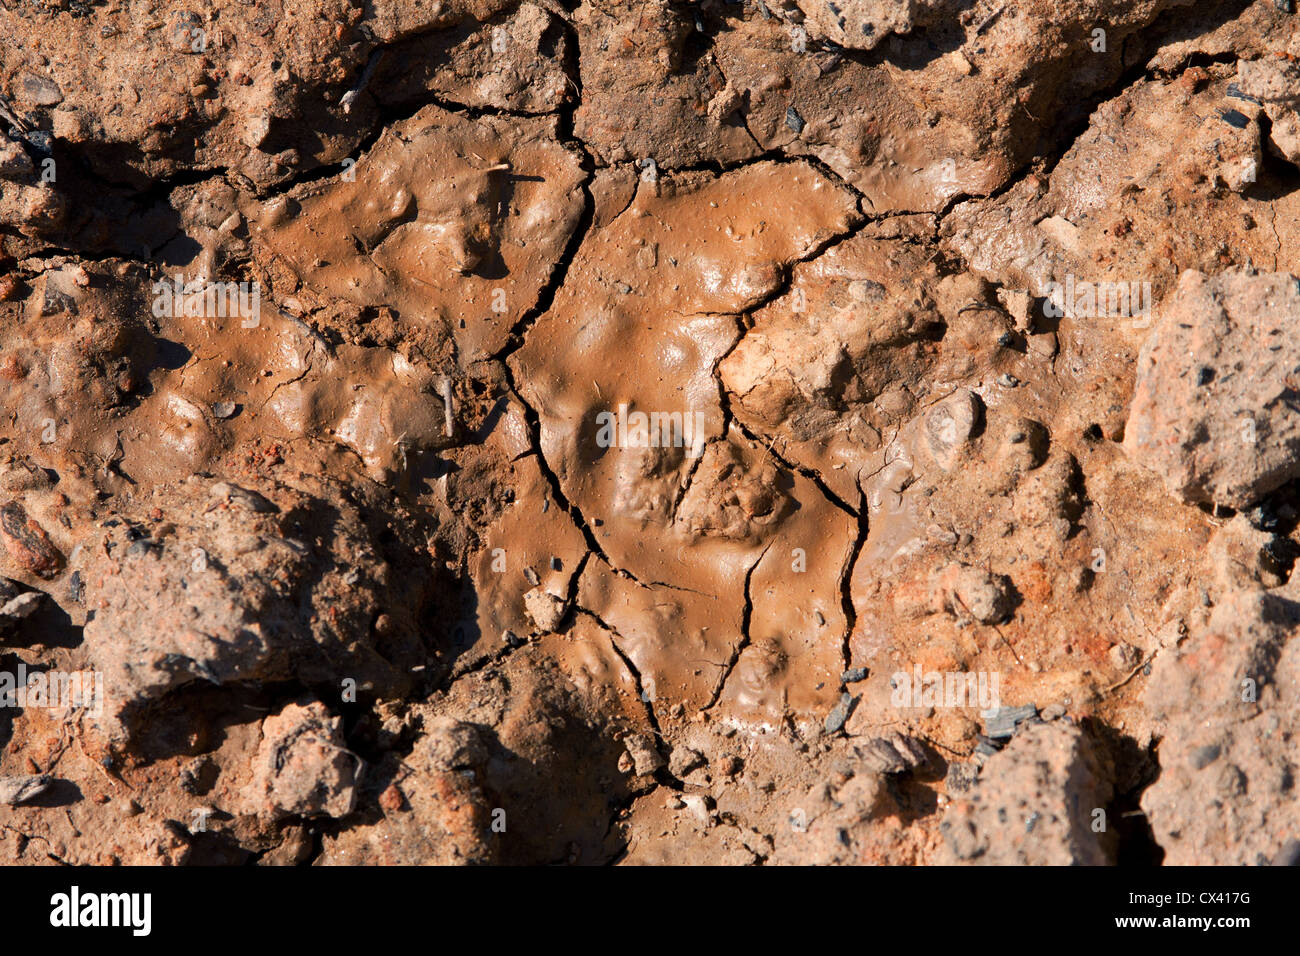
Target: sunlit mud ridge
column 766, row 432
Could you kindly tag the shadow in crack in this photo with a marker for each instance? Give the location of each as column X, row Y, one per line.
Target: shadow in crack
column 1136, row 768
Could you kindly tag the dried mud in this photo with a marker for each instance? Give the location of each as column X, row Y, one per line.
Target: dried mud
column 756, row 432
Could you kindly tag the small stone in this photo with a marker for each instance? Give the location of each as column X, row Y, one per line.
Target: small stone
column 839, row 714
column 794, row 120
column 544, row 609
column 894, row 753
column 853, row 675
column 16, row 789
column 1235, row 118
column 698, row 804
column 224, row 409
column 27, row 543
column 949, row 425
column 940, row 533
column 303, row 767
column 961, row 776
column 1202, row 757
column 41, row 140
column 39, row 90
column 965, row 590
column 1004, row 721
column 645, row 756
column 18, row 608
column 683, row 760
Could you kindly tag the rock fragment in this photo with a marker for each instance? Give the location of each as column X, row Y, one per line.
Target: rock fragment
column 233, row 593
column 646, row 758
column 1004, row 721
column 15, row 605
column 683, row 760
column 39, row 90
column 894, row 753
column 839, row 714
column 949, row 425
column 16, row 789
column 1225, row 701
column 545, row 609
column 965, row 590
column 27, row 543
column 302, row 767
column 1216, row 411
column 1275, row 82
column 1035, row 804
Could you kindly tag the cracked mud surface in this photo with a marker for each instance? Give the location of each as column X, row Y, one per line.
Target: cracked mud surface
column 628, row 410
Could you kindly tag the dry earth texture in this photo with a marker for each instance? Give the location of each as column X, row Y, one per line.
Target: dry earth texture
column 642, row 432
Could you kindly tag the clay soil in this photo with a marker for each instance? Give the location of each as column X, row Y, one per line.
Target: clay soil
column 643, row 432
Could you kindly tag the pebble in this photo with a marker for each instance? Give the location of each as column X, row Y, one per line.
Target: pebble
column 839, row 714
column 1234, row 118
column 698, row 805
column 893, row 754
column 27, row 543
column 1004, row 721
column 16, row 789
column 39, row 90
column 645, row 756
column 683, row 760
